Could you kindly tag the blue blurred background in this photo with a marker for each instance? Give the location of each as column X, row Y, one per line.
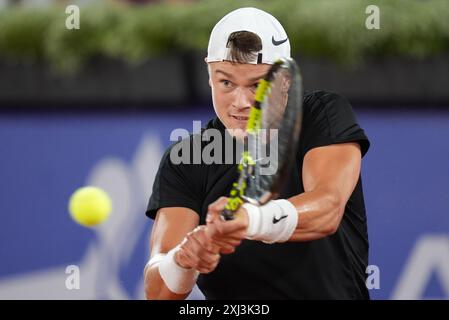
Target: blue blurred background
column 96, row 106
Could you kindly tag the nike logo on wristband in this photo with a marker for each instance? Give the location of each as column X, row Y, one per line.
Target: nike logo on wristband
column 276, row 220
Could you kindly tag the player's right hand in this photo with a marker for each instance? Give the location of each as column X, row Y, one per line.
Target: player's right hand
column 198, row 251
column 226, row 234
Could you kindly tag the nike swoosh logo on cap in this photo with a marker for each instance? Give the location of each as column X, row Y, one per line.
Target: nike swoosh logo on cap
column 277, row 43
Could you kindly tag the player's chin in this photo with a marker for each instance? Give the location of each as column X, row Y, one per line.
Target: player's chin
column 238, row 133
column 238, row 126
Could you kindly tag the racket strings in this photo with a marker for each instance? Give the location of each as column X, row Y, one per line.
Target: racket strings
column 276, row 141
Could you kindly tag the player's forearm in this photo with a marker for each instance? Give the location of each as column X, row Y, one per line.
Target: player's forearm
column 165, row 278
column 320, row 213
column 155, row 288
column 305, row 217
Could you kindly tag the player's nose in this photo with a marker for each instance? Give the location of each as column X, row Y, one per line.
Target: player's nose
column 243, row 98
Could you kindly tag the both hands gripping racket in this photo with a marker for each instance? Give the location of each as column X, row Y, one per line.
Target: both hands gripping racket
column 274, row 124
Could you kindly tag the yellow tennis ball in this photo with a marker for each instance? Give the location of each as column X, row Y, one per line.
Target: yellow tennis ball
column 90, row 206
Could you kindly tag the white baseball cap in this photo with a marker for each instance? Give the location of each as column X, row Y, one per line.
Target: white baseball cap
column 275, row 43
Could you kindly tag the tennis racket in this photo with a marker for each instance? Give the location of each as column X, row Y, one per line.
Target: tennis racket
column 274, row 124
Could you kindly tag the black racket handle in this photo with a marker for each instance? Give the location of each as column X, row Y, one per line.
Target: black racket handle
column 227, row 214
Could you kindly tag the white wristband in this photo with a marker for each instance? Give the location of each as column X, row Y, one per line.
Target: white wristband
column 273, row 222
column 178, row 279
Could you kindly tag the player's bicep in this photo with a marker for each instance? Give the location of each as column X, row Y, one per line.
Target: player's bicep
column 334, row 168
column 170, row 227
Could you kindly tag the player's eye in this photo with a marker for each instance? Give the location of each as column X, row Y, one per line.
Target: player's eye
column 226, row 83
column 254, row 86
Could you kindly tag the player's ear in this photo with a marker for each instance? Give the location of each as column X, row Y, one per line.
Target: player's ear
column 208, row 71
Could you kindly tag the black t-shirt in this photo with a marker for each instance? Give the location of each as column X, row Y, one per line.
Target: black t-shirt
column 329, row 268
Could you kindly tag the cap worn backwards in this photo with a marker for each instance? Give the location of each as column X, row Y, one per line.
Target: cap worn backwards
column 275, row 43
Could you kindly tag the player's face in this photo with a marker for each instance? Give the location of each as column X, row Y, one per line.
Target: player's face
column 233, row 88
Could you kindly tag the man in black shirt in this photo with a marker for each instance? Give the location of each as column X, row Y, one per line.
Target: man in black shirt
column 321, row 251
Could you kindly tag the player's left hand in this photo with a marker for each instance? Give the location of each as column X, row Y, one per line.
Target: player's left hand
column 226, row 234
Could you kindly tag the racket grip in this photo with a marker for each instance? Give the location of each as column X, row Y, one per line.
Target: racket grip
column 227, row 214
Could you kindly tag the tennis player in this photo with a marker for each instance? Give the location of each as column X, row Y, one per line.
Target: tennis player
column 310, row 243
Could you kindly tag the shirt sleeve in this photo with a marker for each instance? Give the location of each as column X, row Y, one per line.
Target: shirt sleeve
column 330, row 119
column 175, row 185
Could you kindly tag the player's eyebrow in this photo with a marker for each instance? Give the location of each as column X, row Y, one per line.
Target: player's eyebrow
column 253, row 79
column 224, row 73
column 257, row 78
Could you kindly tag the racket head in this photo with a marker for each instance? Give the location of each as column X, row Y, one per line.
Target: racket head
column 273, row 133
column 279, row 133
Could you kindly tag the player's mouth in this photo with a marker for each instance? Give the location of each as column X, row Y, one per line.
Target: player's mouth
column 240, row 118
